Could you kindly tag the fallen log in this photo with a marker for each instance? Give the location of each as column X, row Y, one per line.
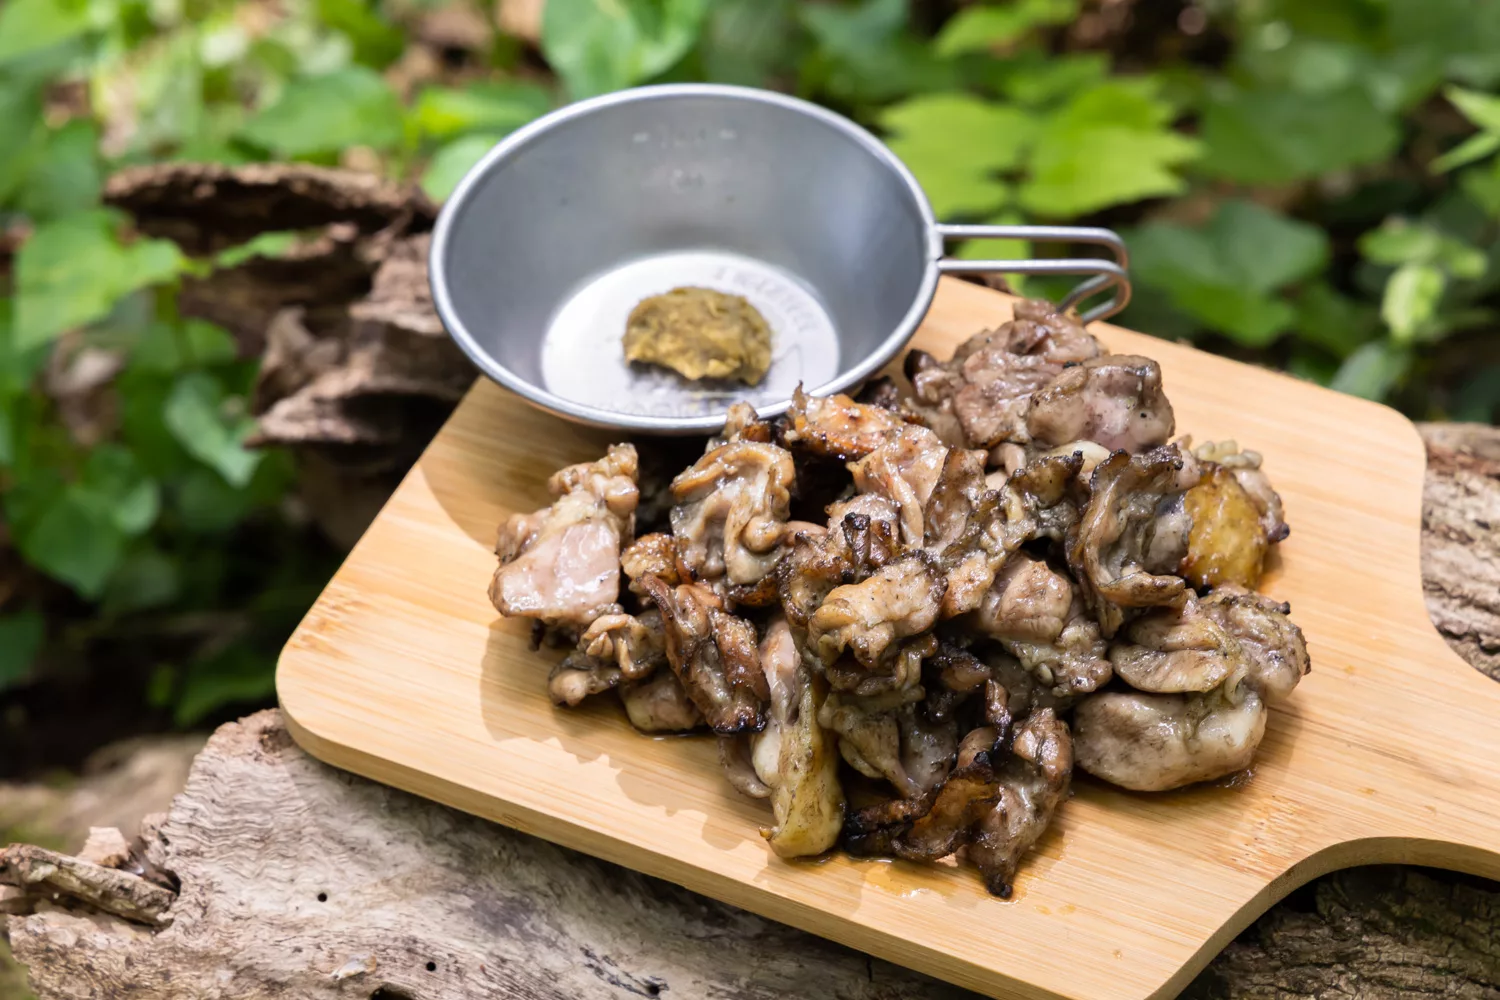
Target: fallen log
column 289, row 878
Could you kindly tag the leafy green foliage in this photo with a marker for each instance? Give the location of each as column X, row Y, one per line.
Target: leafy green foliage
column 1227, row 274
column 316, row 115
column 602, row 45
column 73, row 270
column 21, row 638
column 981, row 28
column 28, row 26
column 1275, row 137
column 1107, row 146
column 957, row 145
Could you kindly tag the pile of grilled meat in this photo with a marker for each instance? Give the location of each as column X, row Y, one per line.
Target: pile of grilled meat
column 1006, row 572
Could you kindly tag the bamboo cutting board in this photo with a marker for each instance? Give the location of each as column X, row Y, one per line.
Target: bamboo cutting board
column 403, row 672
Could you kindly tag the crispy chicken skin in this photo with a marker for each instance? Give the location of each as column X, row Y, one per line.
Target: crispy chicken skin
column 561, row 565
column 901, row 599
column 997, row 803
column 905, row 616
column 713, row 654
column 1132, row 535
column 836, row 426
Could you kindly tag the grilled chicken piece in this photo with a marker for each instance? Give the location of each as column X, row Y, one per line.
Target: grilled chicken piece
column 960, row 491
column 635, row 644
column 1176, row 650
column 561, row 565
column 1133, row 534
column 793, row 756
column 713, row 654
column 900, row 600
column 1039, row 618
column 1033, row 781
column 997, row 803
column 1037, row 501
column 887, row 736
column 986, row 387
column 659, row 704
column 732, row 508
column 654, row 554
column 1152, row 742
column 1115, row 401
column 1274, row 647
column 836, row 426
column 904, row 469
column 578, row 676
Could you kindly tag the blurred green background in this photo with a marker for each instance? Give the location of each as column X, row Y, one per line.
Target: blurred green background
column 1312, row 186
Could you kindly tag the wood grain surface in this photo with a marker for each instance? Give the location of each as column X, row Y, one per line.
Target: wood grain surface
column 403, row 672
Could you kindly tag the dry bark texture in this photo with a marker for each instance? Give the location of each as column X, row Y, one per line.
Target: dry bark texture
column 357, row 373
column 295, row 880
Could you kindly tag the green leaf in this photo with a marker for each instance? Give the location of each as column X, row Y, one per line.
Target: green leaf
column 239, row 674
column 28, row 26
column 956, row 144
column 1482, row 184
column 1266, row 250
column 493, row 108
column 1398, row 241
column 21, row 637
column 1276, row 137
column 70, row 537
column 1475, row 147
column 376, row 43
column 114, row 482
column 744, row 41
column 199, row 417
column 207, row 505
column 866, row 56
column 979, row 29
column 1109, row 145
column 601, row 45
column 1334, row 322
column 66, row 177
column 1373, row 370
column 145, row 579
column 1035, row 78
column 848, row 30
column 1481, row 109
column 73, row 270
column 1401, row 242
column 1225, row 274
column 449, row 164
column 193, row 343
column 260, row 245
column 353, row 106
column 1411, row 300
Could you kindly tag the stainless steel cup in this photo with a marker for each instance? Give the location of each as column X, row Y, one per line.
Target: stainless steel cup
column 549, row 242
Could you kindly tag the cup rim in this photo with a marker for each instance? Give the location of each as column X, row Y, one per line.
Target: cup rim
column 537, row 395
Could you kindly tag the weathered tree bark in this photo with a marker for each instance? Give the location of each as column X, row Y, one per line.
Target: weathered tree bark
column 295, row 880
